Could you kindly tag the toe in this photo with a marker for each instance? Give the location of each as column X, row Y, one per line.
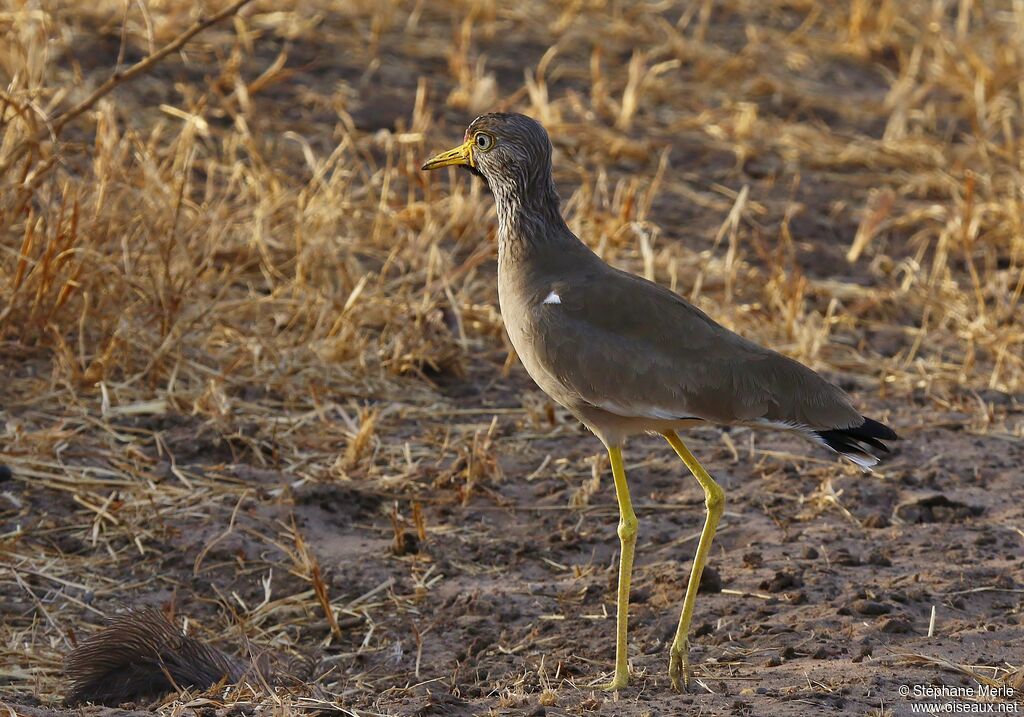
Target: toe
column 679, row 667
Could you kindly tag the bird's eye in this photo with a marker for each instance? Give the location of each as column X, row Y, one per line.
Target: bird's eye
column 484, row 141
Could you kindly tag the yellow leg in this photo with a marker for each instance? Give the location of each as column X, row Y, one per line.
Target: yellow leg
column 714, row 500
column 627, row 539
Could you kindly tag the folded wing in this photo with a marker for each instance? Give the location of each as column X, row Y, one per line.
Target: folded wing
column 654, row 355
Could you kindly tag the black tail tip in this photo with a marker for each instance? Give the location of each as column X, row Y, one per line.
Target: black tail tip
column 853, row 442
column 875, row 429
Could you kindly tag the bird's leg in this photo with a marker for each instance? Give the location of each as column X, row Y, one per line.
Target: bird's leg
column 714, row 500
column 627, row 539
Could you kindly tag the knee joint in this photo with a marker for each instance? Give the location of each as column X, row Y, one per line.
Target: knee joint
column 714, row 498
column 628, row 527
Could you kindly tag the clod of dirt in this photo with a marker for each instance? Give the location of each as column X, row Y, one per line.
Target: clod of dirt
column 918, row 595
column 1004, row 581
column 845, row 558
column 705, row 628
column 870, row 607
column 783, row 580
column 752, row 559
column 896, row 625
column 877, row 557
column 876, row 520
column 342, row 502
column 5, row 473
column 710, row 581
column 937, row 509
column 810, row 553
column 405, row 543
column 440, row 704
column 865, row 651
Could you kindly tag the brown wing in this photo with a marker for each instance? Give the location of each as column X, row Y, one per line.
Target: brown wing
column 636, row 349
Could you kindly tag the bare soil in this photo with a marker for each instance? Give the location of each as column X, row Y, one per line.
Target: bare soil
column 469, row 549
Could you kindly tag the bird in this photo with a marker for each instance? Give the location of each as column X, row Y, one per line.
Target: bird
column 628, row 356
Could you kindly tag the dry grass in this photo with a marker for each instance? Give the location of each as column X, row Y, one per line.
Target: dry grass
column 240, row 242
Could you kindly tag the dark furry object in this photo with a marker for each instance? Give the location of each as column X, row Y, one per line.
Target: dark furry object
column 141, row 655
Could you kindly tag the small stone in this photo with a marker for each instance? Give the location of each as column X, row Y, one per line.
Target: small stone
column 810, row 553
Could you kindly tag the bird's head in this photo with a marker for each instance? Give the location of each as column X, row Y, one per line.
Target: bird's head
column 506, row 149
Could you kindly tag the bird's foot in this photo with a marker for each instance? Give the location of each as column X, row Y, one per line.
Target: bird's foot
column 618, row 682
column 679, row 665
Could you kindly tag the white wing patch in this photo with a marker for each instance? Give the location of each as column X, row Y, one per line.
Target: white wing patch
column 553, row 298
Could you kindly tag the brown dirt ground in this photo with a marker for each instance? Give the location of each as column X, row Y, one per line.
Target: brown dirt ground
column 822, row 579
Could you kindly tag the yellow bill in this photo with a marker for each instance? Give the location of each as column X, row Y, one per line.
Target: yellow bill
column 461, row 156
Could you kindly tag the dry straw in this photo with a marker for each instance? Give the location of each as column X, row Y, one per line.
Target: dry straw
column 229, row 238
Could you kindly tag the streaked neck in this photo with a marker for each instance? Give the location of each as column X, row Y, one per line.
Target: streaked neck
column 529, row 217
